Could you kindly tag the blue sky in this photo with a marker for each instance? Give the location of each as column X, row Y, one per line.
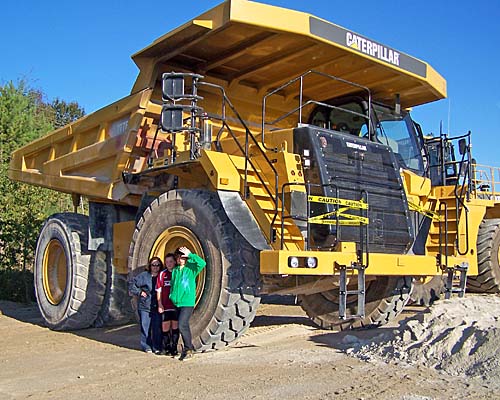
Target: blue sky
column 80, row 50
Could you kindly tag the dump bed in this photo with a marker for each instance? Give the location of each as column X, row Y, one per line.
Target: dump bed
column 249, row 49
column 248, row 45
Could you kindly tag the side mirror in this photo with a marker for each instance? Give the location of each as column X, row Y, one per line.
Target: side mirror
column 172, row 86
column 462, row 146
column 171, row 118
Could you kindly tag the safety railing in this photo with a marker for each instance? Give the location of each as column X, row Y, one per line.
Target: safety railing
column 303, row 104
column 486, row 182
column 363, row 252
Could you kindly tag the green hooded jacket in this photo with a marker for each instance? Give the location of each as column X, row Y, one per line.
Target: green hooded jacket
column 183, row 283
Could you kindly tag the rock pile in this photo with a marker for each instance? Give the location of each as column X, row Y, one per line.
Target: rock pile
column 457, row 336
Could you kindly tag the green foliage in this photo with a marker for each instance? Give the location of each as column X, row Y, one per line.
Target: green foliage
column 23, row 209
column 64, row 113
column 25, row 116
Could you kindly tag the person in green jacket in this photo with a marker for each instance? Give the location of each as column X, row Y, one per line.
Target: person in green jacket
column 183, row 293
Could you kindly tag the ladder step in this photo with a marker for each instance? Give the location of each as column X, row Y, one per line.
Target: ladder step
column 360, row 291
column 452, row 222
column 254, row 180
column 435, row 237
column 259, row 191
column 451, row 285
column 292, row 238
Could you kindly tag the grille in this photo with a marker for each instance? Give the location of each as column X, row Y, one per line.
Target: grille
column 352, row 166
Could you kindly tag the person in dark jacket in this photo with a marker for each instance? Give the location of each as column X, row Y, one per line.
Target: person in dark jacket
column 183, row 293
column 143, row 286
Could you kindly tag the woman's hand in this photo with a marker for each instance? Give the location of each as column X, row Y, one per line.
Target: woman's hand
column 160, row 309
column 144, row 294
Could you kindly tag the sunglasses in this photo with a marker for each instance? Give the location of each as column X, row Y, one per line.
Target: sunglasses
column 155, row 265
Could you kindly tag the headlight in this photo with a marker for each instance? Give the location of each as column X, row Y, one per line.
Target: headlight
column 312, row 262
column 293, row 262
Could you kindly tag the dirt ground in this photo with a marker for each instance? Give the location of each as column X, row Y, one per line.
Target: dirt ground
column 282, row 356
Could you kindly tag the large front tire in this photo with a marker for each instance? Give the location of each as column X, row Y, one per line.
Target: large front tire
column 488, row 249
column 427, row 290
column 227, row 290
column 69, row 280
column 385, row 298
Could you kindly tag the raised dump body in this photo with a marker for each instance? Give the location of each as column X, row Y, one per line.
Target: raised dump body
column 275, row 145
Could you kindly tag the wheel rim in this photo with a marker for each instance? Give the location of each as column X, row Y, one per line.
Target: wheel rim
column 178, row 236
column 423, row 280
column 55, row 272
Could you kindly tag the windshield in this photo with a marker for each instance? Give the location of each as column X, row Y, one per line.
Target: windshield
column 347, row 118
column 394, row 130
column 398, row 132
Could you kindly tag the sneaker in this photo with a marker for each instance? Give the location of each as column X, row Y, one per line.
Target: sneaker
column 159, row 352
column 186, row 354
column 149, row 351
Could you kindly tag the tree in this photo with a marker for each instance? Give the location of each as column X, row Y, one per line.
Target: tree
column 25, row 116
column 64, row 113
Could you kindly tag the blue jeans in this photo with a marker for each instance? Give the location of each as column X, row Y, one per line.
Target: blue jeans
column 151, row 334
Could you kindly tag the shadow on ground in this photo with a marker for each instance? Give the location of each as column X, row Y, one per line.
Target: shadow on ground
column 23, row 312
column 275, row 310
column 347, row 339
column 268, row 320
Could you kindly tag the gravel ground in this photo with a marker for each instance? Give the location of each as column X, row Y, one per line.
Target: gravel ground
column 281, row 356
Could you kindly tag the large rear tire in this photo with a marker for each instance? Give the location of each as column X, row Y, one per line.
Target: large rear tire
column 227, row 289
column 69, row 280
column 385, row 298
column 488, row 248
column 116, row 308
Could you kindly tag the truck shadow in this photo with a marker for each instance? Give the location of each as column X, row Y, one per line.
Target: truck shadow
column 355, row 338
column 274, row 311
column 280, row 310
column 24, row 312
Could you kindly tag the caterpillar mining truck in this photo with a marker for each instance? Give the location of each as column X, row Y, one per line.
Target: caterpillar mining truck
column 278, row 147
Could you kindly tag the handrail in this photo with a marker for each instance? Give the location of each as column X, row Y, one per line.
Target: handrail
column 363, row 229
column 463, row 182
column 245, row 151
column 445, row 209
column 486, row 180
column 302, row 105
column 464, row 187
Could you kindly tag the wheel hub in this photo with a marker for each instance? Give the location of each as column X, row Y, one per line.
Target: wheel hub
column 55, row 272
column 178, row 236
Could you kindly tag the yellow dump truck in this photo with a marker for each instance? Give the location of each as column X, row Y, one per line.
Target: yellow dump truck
column 277, row 146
